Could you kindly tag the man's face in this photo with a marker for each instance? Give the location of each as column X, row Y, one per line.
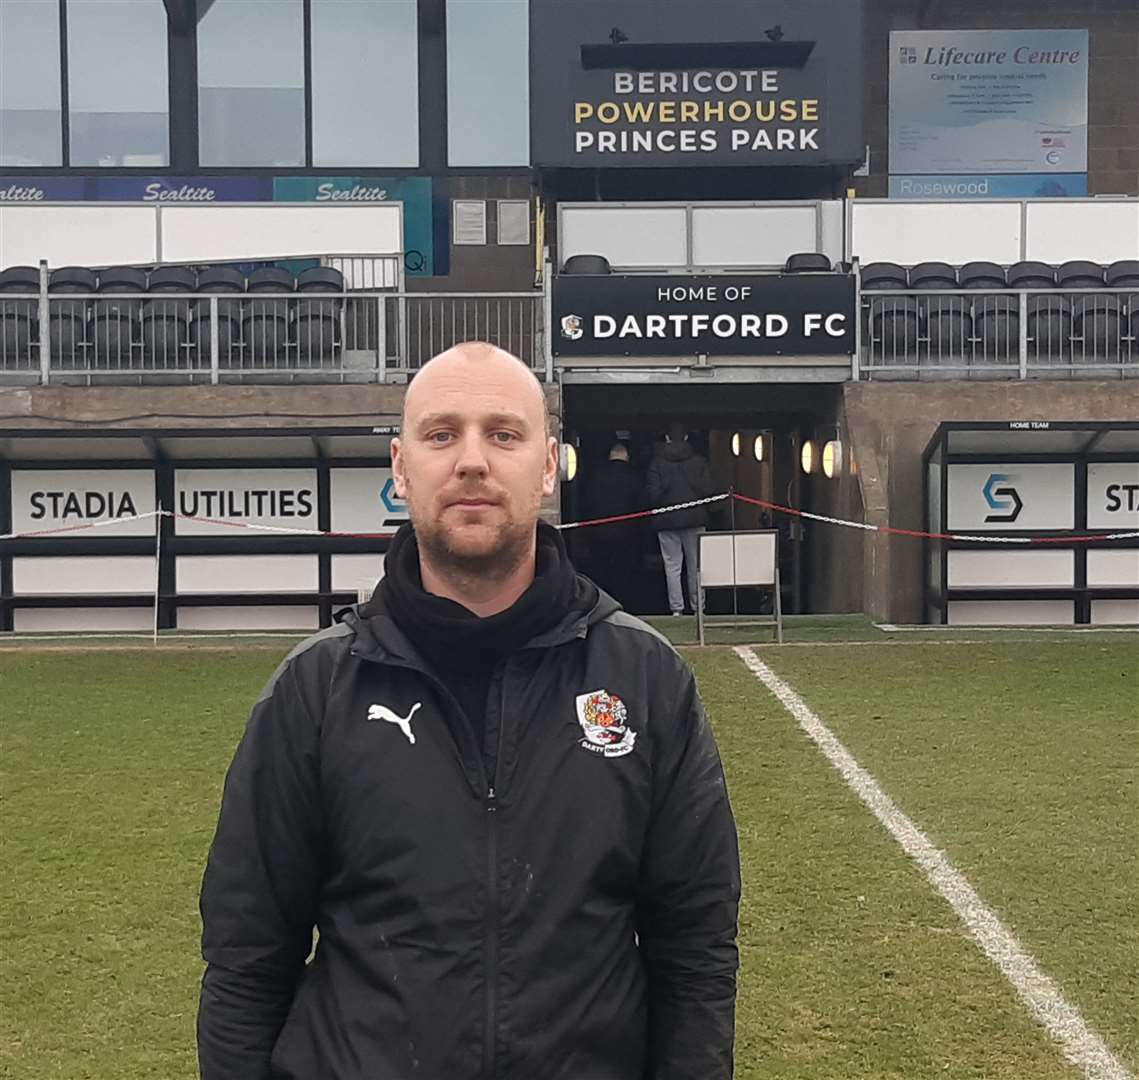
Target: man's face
column 473, row 461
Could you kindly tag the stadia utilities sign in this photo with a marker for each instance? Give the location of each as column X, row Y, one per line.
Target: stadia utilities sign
column 80, row 500
column 737, row 82
column 649, row 315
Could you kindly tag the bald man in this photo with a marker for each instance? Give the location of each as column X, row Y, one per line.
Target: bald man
column 494, row 795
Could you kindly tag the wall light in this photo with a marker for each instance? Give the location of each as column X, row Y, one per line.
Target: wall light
column 832, row 458
column 807, row 457
column 757, row 448
column 567, row 461
column 736, row 445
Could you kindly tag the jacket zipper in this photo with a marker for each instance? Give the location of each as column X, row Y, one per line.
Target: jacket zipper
column 491, row 804
column 491, row 932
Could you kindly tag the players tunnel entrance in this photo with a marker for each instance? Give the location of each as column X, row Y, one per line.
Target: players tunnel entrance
column 752, row 436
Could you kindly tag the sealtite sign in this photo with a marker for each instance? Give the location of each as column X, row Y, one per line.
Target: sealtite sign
column 721, row 315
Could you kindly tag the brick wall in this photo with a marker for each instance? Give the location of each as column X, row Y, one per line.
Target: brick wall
column 1113, row 73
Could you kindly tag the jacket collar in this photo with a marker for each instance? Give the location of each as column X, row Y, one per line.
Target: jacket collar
column 375, row 636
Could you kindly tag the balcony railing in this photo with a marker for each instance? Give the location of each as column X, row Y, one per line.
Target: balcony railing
column 1011, row 334
column 265, row 337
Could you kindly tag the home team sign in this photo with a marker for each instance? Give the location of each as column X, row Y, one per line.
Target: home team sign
column 720, row 315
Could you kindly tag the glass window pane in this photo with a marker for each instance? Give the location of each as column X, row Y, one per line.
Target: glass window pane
column 30, row 131
column 365, row 83
column 251, row 79
column 117, row 82
column 488, row 82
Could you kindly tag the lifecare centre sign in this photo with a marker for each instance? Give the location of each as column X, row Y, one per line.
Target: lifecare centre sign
column 688, row 82
column 988, row 102
column 650, row 315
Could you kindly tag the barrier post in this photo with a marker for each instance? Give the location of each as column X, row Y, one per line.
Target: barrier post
column 45, row 326
column 382, row 338
column 215, row 348
column 1022, row 336
column 157, row 567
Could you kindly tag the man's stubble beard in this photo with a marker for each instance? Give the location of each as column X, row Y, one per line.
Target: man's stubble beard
column 514, row 543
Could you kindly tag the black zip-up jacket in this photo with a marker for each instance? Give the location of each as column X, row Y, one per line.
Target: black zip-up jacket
column 571, row 918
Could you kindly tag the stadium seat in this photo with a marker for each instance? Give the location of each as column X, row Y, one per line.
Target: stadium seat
column 1132, row 325
column 895, row 327
column 320, row 279
column 586, row 264
column 1080, row 274
column 981, row 275
column 884, row 275
column 996, row 326
column 1098, row 323
column 265, row 330
column 18, row 318
column 947, row 319
column 317, row 328
column 1049, row 330
column 1031, row 275
column 68, row 318
column 225, row 280
column 1123, row 274
column 806, row 262
column 178, row 279
column 270, row 279
column 114, row 322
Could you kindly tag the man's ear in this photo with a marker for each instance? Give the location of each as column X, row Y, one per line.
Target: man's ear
column 398, row 473
column 550, row 469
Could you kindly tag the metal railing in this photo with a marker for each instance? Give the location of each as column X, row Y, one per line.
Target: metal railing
column 223, row 337
column 1010, row 334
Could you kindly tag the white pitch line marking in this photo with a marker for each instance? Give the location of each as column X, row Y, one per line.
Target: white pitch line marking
column 1080, row 1045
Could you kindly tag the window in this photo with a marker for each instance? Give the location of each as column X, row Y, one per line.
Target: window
column 117, row 82
column 365, row 83
column 30, row 130
column 251, row 79
column 488, row 82
column 469, row 221
column 513, row 221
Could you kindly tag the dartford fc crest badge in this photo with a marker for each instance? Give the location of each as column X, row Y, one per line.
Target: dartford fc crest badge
column 603, row 717
column 572, row 327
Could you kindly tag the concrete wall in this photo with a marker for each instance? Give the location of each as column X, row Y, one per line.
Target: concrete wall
column 890, row 425
column 1113, row 73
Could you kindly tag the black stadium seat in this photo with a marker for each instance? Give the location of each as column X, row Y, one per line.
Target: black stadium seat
column 947, row 319
column 1098, row 324
column 586, row 264
column 1049, row 329
column 1080, row 274
column 18, row 318
column 1123, row 274
column 271, row 279
column 807, row 262
column 114, row 322
column 884, row 275
column 1031, row 275
column 68, row 318
column 320, row 279
column 217, row 279
column 165, row 322
column 981, row 275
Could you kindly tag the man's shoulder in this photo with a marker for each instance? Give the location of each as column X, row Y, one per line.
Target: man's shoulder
column 629, row 636
column 321, row 649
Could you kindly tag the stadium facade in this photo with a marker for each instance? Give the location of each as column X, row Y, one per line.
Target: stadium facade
column 231, row 230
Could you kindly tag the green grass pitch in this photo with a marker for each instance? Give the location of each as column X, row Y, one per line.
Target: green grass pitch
column 1018, row 758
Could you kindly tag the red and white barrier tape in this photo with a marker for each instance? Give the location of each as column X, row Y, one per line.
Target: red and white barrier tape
column 888, row 530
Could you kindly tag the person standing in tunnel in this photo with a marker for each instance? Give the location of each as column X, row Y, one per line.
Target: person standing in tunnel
column 678, row 474
column 616, row 489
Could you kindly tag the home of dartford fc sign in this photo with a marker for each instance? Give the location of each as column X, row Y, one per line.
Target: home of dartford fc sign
column 735, row 82
column 650, row 315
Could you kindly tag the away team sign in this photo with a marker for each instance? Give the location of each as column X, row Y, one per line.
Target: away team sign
column 675, row 315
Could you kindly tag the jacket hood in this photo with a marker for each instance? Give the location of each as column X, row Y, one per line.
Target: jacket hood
column 677, row 451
